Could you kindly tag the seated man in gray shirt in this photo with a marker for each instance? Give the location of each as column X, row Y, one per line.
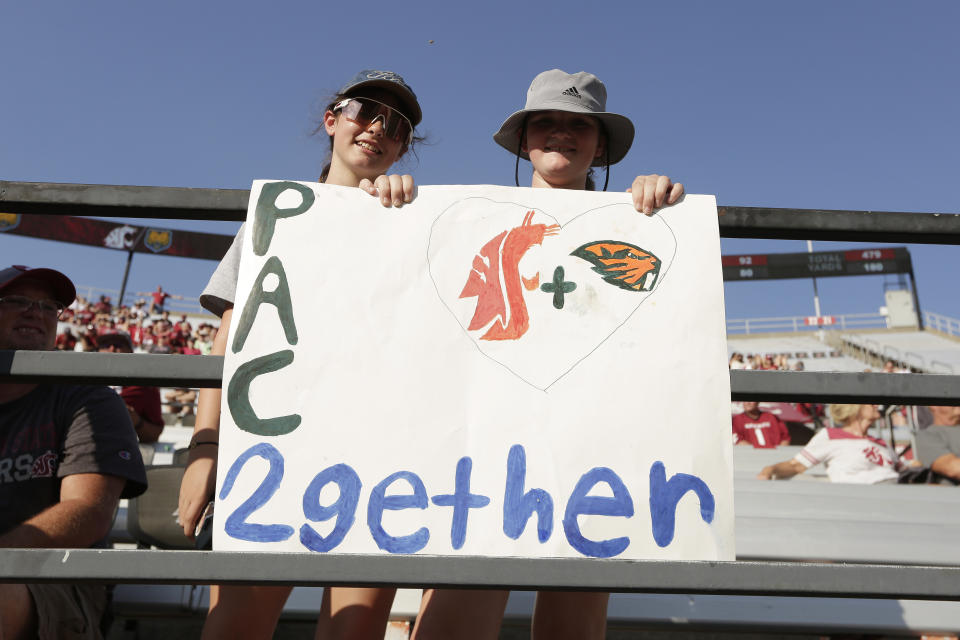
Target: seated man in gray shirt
column 68, row 453
column 938, row 446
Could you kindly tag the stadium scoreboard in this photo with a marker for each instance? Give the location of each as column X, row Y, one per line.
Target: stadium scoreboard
column 818, row 264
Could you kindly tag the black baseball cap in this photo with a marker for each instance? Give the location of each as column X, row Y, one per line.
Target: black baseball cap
column 391, row 82
column 116, row 338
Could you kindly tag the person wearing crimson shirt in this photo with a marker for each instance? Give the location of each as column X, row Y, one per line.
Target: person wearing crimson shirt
column 761, row 429
column 183, row 325
column 143, row 403
column 159, row 299
column 136, row 334
column 66, row 341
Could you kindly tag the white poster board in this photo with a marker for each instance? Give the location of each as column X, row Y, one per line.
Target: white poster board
column 487, row 371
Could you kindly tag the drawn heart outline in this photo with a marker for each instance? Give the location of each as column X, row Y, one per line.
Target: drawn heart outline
column 461, row 247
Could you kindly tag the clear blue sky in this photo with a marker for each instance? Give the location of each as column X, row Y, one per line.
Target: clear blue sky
column 812, row 104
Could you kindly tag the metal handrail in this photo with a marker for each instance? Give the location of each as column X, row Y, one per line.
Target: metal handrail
column 417, row 571
column 185, row 304
column 921, row 362
column 231, row 204
column 207, row 371
column 946, row 365
column 796, row 324
column 944, row 324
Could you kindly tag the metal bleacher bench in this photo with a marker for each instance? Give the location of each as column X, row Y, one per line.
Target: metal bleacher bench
column 811, row 555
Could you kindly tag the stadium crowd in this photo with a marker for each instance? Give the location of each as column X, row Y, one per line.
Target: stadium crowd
column 769, row 362
column 83, row 323
column 105, row 326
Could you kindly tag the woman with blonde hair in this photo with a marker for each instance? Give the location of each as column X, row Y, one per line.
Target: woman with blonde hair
column 850, row 454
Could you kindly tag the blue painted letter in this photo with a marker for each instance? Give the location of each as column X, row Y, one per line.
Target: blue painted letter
column 236, row 525
column 462, row 501
column 344, row 509
column 621, row 504
column 379, row 501
column 664, row 496
column 519, row 506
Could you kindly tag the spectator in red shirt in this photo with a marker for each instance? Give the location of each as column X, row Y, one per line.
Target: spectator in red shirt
column 103, row 305
column 183, row 325
column 66, row 341
column 85, row 315
column 761, row 429
column 159, row 299
column 136, row 334
column 143, row 403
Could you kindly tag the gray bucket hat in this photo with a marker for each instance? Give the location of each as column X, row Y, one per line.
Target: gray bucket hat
column 582, row 92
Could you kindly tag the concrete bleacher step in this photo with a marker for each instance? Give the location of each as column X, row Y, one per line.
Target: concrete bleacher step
column 787, row 520
column 923, row 350
column 815, row 355
column 747, row 462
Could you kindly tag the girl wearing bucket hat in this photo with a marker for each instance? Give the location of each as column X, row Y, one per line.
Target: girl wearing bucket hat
column 370, row 123
column 564, row 130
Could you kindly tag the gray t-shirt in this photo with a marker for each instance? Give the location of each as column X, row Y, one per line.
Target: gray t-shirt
column 936, row 441
column 221, row 291
column 56, row 431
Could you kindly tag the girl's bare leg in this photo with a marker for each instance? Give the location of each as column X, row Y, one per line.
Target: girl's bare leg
column 570, row 614
column 354, row 613
column 243, row 611
column 465, row 614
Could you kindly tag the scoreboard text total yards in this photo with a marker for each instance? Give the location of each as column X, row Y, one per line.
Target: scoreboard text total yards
column 819, row 264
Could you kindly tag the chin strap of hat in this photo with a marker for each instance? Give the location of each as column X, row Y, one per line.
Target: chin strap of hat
column 516, row 167
column 606, row 180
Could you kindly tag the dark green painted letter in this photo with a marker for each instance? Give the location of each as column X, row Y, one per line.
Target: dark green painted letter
column 279, row 297
column 238, row 396
column 267, row 214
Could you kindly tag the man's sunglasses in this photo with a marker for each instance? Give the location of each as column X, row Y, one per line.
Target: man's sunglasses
column 396, row 126
column 20, row 304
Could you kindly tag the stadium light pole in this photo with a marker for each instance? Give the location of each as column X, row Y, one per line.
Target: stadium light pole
column 126, row 270
column 816, row 296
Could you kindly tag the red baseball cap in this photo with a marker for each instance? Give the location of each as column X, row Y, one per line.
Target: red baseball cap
column 62, row 287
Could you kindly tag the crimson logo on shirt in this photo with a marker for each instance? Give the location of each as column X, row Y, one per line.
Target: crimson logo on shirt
column 43, row 467
column 873, row 455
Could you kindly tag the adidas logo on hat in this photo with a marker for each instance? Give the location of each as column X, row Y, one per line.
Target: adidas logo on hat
column 572, row 91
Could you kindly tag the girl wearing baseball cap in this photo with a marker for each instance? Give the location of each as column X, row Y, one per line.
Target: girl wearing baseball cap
column 564, row 130
column 370, row 123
